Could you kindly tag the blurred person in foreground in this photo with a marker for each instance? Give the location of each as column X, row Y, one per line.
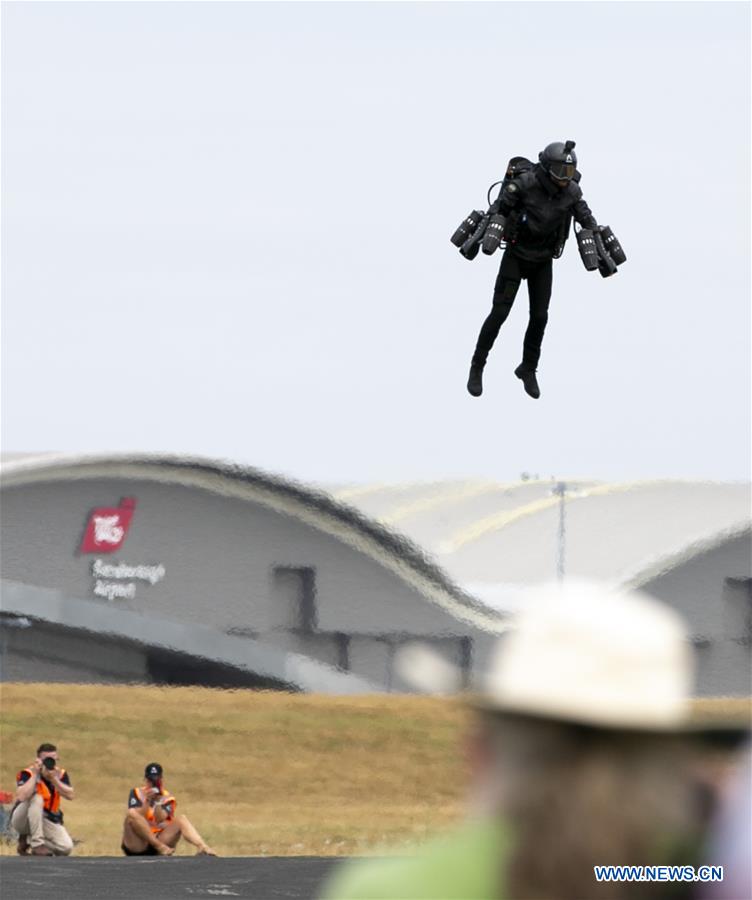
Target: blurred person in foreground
column 730, row 843
column 583, row 753
column 36, row 815
column 152, row 827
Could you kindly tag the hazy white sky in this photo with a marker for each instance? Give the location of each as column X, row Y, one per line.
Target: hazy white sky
column 226, row 232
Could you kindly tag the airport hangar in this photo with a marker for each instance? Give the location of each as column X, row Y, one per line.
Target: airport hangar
column 175, row 570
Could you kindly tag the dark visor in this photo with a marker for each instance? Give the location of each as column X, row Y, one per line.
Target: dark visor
column 562, row 170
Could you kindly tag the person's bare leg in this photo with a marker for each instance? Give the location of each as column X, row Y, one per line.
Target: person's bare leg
column 182, row 825
column 137, row 834
column 170, row 834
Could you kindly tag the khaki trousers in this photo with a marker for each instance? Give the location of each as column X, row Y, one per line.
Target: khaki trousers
column 28, row 818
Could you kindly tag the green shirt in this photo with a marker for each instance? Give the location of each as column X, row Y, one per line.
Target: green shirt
column 466, row 864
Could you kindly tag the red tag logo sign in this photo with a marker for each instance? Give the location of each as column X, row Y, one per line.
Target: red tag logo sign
column 107, row 527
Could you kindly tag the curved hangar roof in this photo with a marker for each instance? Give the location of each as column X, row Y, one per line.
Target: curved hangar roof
column 464, row 545
column 308, row 505
column 493, row 537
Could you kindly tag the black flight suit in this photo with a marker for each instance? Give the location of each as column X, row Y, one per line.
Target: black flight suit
column 537, row 212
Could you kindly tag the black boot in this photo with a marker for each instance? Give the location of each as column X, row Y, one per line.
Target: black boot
column 475, row 380
column 526, row 374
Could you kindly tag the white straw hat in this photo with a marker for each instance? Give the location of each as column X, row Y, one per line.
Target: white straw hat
column 590, row 653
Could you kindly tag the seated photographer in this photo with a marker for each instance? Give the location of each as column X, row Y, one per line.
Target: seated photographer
column 36, row 814
column 151, row 827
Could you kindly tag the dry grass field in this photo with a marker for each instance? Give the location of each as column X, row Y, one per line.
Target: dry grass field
column 258, row 773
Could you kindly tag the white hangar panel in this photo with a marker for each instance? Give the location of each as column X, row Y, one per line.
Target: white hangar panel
column 509, row 533
column 219, row 555
column 206, row 545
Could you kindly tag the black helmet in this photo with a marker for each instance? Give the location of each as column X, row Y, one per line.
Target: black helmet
column 559, row 160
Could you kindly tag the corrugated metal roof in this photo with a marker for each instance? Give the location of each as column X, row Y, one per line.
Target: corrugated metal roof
column 390, row 548
column 491, row 536
column 481, row 540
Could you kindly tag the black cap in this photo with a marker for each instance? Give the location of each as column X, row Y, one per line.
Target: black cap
column 153, row 770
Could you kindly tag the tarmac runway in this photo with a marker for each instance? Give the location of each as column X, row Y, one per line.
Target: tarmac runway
column 149, row 878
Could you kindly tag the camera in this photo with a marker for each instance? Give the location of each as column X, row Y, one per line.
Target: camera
column 49, row 763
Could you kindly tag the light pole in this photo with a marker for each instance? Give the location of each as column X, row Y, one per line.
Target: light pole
column 560, row 489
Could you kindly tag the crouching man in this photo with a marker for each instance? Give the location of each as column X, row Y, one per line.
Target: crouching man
column 151, row 826
column 36, row 815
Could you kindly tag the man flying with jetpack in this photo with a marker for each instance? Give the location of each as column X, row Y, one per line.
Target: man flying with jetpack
column 532, row 216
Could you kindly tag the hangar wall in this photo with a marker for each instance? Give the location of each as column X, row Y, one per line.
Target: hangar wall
column 712, row 590
column 245, row 569
column 218, row 551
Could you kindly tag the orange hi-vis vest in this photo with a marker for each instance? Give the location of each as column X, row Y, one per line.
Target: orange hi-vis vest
column 50, row 798
column 168, row 801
